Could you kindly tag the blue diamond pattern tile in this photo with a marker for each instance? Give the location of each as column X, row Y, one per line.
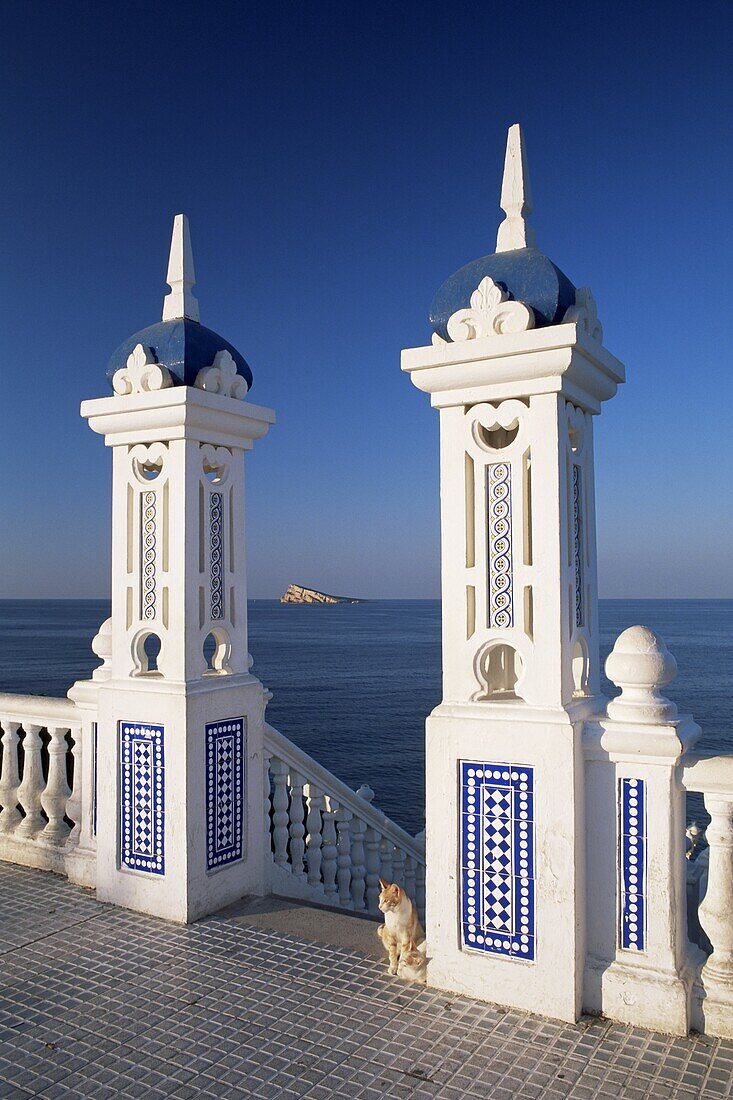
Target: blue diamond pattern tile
column 224, row 792
column 142, row 811
column 497, row 858
column 632, row 864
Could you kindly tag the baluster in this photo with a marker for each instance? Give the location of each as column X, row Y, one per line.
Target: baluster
column 297, row 828
column 329, row 852
column 358, row 864
column 73, row 806
column 29, row 791
column 420, row 878
column 410, row 867
column 280, row 816
column 359, row 872
column 57, row 793
column 314, row 824
column 343, row 827
column 386, row 849
column 267, row 797
column 398, row 867
column 420, row 890
column 10, row 778
column 372, row 870
column 715, row 918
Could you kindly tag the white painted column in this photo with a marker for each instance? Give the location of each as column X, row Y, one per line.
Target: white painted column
column 180, row 822
column 505, row 813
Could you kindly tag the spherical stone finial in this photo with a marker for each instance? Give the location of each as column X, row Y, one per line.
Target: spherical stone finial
column 102, row 648
column 640, row 664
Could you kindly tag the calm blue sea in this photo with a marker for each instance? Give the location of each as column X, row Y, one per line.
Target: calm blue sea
column 352, row 684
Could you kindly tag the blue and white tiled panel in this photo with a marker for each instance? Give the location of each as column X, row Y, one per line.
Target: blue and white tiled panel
column 224, row 792
column 143, row 794
column 497, row 859
column 632, row 863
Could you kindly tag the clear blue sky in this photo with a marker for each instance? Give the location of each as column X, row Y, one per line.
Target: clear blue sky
column 337, row 163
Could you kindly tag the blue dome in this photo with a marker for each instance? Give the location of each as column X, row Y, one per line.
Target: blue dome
column 526, row 273
column 183, row 346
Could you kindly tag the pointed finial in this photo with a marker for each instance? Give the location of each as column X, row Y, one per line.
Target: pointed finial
column 181, row 277
column 516, row 196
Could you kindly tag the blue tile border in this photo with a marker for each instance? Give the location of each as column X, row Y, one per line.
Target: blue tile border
column 143, row 809
column 632, row 864
column 497, row 859
column 224, row 792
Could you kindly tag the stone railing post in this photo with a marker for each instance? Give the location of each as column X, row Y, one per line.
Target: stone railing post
column 372, row 844
column 314, row 825
column 297, row 828
column 329, row 854
column 73, row 805
column 56, row 795
column 343, row 829
column 640, row 967
column 280, row 816
column 386, row 860
column 29, row 791
column 716, row 918
column 9, row 779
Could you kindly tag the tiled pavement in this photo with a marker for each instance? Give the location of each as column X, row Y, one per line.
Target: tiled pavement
column 95, row 1001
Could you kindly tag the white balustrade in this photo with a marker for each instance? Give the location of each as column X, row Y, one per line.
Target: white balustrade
column 337, row 851
column 329, row 851
column 57, row 792
column 712, row 776
column 10, row 817
column 29, row 792
column 280, row 804
column 358, row 864
column 37, row 803
column 297, row 828
column 343, row 822
column 314, row 825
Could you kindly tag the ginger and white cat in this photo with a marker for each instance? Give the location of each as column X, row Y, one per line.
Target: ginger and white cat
column 413, row 963
column 401, row 932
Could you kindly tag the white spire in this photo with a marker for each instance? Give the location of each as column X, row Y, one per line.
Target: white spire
column 516, row 196
column 181, row 276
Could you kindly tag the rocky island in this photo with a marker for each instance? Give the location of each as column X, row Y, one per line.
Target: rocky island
column 297, row 594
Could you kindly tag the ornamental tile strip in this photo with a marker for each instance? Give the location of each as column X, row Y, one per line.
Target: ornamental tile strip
column 497, row 859
column 632, row 864
column 143, row 811
column 578, row 542
column 148, row 539
column 224, row 792
column 216, row 562
column 499, row 486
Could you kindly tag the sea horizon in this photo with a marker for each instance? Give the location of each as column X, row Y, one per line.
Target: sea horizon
column 353, row 684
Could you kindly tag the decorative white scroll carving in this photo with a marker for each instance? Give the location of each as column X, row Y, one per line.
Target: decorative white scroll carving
column 584, row 313
column 141, row 375
column 215, row 463
column 221, row 377
column 576, row 429
column 491, row 313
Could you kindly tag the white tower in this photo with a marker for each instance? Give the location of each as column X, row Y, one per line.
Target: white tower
column 179, row 821
column 517, row 370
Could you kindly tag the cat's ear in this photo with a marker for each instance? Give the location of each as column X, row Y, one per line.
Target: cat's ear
column 384, row 884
